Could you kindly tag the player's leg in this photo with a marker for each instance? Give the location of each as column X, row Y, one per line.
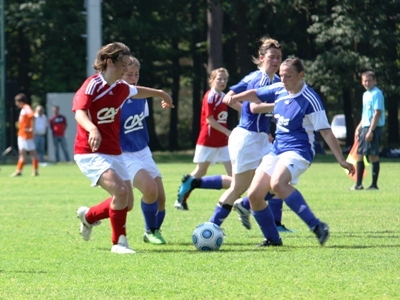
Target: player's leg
column 118, row 188
column 259, row 187
column 240, row 183
column 149, row 205
column 286, row 174
column 360, row 166
column 35, row 161
column 22, row 155
column 191, row 181
column 374, row 157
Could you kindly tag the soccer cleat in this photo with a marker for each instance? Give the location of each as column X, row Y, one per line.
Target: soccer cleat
column 282, row 228
column 181, row 206
column 322, row 232
column 372, row 188
column 356, row 187
column 85, row 229
column 268, row 243
column 122, row 246
column 185, row 188
column 244, row 214
column 16, row 174
column 35, row 173
column 154, row 238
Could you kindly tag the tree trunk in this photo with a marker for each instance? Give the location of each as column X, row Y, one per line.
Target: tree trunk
column 214, row 35
column 392, row 121
column 176, row 75
column 197, row 75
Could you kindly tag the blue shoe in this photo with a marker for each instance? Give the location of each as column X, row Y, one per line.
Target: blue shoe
column 185, row 188
column 282, row 228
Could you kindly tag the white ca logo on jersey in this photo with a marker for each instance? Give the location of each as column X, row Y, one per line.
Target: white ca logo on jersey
column 222, row 117
column 107, row 115
column 134, row 123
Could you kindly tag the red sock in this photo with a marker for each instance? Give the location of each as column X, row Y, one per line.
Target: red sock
column 99, row 211
column 118, row 222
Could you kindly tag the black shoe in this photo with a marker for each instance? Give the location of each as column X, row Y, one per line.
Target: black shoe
column 268, row 242
column 322, row 232
column 372, row 188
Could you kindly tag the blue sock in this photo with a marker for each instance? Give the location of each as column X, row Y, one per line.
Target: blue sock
column 220, row 214
column 276, row 206
column 266, row 221
column 211, row 182
column 150, row 215
column 269, row 196
column 246, row 203
column 297, row 203
column 160, row 218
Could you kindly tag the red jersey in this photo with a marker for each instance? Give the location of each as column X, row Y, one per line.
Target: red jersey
column 213, row 106
column 102, row 103
column 58, row 124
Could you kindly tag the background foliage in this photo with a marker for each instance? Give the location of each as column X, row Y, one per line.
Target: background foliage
column 338, row 40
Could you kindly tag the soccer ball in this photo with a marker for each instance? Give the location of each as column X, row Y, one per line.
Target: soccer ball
column 207, row 237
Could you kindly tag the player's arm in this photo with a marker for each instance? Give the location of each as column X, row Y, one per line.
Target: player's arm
column 214, row 124
column 333, row 144
column 261, row 108
column 236, row 106
column 145, row 92
column 32, row 125
column 372, row 126
column 83, row 120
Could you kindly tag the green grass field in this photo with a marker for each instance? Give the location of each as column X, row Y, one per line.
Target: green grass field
column 42, row 255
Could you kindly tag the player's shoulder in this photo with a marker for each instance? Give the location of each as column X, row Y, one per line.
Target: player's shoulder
column 252, row 76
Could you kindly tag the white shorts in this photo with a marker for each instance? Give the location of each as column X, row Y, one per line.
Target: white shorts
column 296, row 164
column 211, row 154
column 27, row 145
column 247, row 148
column 94, row 165
column 142, row 159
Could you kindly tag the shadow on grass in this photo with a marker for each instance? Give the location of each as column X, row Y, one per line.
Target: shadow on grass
column 25, row 271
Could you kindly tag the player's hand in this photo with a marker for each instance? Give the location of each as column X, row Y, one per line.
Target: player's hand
column 229, row 100
column 369, row 136
column 167, row 101
column 94, row 139
column 349, row 167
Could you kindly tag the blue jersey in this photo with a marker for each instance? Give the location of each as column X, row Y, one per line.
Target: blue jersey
column 248, row 120
column 373, row 100
column 297, row 119
column 133, row 135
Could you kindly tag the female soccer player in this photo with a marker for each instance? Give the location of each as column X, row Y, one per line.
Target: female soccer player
column 298, row 113
column 143, row 171
column 97, row 149
column 212, row 143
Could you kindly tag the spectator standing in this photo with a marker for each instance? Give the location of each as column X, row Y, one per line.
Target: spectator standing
column 58, row 125
column 41, row 123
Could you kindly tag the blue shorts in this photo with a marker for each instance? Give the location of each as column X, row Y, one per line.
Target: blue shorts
column 370, row 148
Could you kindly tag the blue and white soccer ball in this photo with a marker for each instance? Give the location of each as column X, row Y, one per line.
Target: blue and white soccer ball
column 208, row 237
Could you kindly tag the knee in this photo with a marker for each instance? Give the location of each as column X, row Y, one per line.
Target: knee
column 150, row 193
